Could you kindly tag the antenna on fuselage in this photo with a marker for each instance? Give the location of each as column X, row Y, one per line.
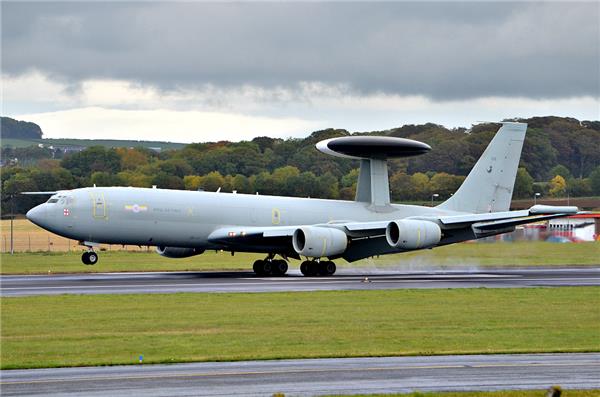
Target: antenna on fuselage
column 373, row 152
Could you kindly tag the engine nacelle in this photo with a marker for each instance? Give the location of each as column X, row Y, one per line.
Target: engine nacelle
column 178, row 252
column 318, row 242
column 411, row 234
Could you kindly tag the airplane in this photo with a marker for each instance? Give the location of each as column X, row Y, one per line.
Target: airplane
column 182, row 224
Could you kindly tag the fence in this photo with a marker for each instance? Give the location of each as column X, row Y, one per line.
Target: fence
column 48, row 242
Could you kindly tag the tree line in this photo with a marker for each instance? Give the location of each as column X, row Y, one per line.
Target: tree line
column 560, row 156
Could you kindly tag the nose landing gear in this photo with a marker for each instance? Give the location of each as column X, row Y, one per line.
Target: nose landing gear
column 89, row 258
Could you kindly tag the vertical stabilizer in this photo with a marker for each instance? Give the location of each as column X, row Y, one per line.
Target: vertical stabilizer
column 489, row 185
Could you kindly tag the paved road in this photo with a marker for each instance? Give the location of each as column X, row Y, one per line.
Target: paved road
column 347, row 279
column 313, row 377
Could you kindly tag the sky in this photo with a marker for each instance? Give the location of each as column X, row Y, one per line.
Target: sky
column 197, row 71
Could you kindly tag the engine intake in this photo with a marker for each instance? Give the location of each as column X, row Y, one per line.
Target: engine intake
column 317, row 242
column 178, row 252
column 411, row 234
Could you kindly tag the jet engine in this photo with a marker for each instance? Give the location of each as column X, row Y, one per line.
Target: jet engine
column 178, row 252
column 317, row 242
column 411, row 234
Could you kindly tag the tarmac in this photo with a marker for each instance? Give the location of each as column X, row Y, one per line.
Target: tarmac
column 313, row 377
column 345, row 279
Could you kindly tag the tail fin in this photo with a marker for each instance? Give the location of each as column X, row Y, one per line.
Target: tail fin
column 489, row 185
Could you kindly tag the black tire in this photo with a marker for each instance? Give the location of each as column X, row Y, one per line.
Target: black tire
column 258, row 267
column 304, row 268
column 268, row 267
column 280, row 267
column 92, row 258
column 313, row 268
column 85, row 258
column 328, row 268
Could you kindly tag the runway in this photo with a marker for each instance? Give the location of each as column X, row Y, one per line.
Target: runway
column 345, row 279
column 314, row 377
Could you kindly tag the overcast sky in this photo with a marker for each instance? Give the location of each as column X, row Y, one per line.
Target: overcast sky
column 208, row 71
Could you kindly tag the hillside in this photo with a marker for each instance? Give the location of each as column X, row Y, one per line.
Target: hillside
column 108, row 143
column 15, row 129
column 560, row 157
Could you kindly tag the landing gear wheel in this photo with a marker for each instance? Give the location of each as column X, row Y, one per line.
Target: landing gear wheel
column 328, row 268
column 304, row 268
column 258, row 267
column 267, row 267
column 314, row 268
column 280, row 267
column 92, row 257
column 89, row 258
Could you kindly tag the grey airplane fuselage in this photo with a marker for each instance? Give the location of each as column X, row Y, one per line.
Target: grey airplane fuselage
column 162, row 217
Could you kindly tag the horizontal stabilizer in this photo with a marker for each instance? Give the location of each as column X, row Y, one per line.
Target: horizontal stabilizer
column 551, row 209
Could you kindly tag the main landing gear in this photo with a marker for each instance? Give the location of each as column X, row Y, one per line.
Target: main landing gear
column 89, row 258
column 317, row 268
column 270, row 267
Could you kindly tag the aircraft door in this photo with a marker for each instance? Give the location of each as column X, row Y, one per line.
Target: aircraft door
column 98, row 205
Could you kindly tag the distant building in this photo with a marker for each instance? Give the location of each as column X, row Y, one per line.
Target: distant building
column 583, row 227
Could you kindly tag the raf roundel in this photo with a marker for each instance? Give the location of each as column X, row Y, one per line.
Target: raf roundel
column 372, row 147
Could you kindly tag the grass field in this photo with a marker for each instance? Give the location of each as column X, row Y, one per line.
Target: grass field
column 71, row 330
column 501, row 393
column 466, row 255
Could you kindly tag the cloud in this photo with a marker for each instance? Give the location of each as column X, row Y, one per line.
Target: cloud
column 164, row 125
column 441, row 51
column 122, row 109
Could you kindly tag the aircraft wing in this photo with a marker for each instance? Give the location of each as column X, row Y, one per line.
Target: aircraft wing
column 368, row 238
column 274, row 238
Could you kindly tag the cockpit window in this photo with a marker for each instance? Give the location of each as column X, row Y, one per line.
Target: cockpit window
column 52, row 200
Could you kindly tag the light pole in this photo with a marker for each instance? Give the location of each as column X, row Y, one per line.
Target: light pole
column 535, row 196
column 432, row 196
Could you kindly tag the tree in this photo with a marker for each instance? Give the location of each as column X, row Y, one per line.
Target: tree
column 400, row 186
column 538, row 154
column 135, row 178
column 192, row 182
column 562, row 171
column 523, row 184
column 101, row 178
column 419, row 188
column 351, row 178
column 263, row 183
column 241, row 184
column 579, row 187
column 445, row 184
column 17, row 129
column 283, row 179
column 132, row 158
column 595, row 181
column 165, row 181
column 558, row 186
column 212, row 181
column 92, row 159
column 327, row 186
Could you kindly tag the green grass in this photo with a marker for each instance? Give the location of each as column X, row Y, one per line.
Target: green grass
column 501, row 393
column 462, row 255
column 71, row 330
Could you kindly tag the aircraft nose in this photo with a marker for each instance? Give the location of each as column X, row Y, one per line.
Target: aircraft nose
column 37, row 214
